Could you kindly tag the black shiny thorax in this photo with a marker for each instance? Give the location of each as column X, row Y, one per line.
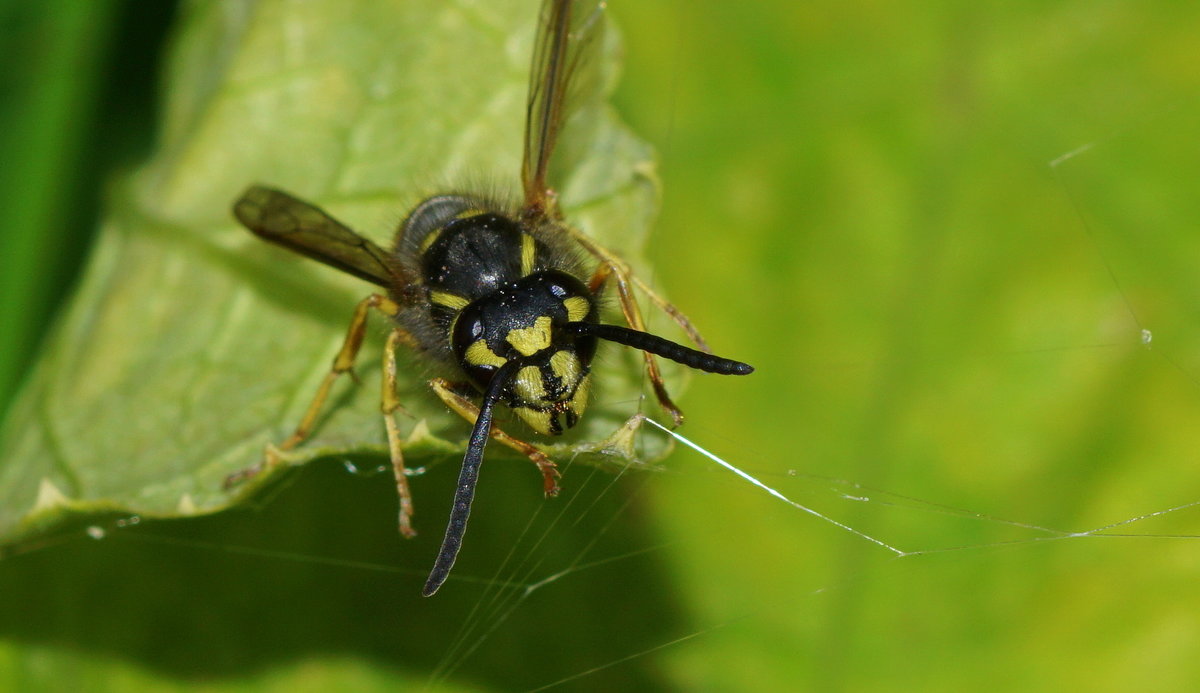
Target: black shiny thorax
column 476, row 256
column 464, row 249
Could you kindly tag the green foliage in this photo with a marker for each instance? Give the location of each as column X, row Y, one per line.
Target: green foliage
column 191, row 345
column 859, row 200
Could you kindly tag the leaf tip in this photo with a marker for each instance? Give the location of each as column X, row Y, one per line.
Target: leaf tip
column 48, row 497
column 186, row 505
column 419, row 433
column 622, row 441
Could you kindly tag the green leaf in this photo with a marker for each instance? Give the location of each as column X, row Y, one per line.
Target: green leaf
column 191, row 345
column 55, row 54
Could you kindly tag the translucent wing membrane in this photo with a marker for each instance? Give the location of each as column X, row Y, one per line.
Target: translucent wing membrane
column 569, row 31
column 297, row 225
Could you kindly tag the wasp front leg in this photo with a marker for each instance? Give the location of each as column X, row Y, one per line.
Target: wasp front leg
column 342, row 363
column 610, row 263
column 389, row 404
column 633, row 316
column 467, row 409
column 611, row 266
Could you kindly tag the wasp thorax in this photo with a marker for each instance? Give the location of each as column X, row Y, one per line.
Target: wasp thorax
column 522, row 320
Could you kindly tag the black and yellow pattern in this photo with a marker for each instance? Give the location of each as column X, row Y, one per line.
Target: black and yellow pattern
column 497, row 293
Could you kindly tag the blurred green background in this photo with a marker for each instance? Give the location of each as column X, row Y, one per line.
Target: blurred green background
column 859, row 199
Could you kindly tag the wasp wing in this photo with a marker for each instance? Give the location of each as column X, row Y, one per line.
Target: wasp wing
column 568, row 33
column 278, row 217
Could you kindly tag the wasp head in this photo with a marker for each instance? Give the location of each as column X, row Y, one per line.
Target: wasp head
column 526, row 321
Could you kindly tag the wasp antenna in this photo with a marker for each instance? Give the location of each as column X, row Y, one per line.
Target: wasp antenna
column 468, row 476
column 661, row 347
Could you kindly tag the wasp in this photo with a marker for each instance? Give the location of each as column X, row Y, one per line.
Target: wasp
column 498, row 294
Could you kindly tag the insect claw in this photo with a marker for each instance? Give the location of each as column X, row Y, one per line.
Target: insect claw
column 674, row 411
column 236, row 478
column 271, row 457
column 550, row 476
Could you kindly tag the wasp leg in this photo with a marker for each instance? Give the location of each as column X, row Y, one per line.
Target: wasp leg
column 342, row 363
column 633, row 316
column 467, row 409
column 389, row 403
column 674, row 313
column 617, row 266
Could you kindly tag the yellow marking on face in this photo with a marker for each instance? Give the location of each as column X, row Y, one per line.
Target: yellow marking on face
column 529, row 386
column 579, row 400
column 468, row 213
column 537, row 420
column 577, row 308
column 429, row 239
column 565, row 365
column 528, row 254
column 447, row 299
column 478, row 354
column 530, row 340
